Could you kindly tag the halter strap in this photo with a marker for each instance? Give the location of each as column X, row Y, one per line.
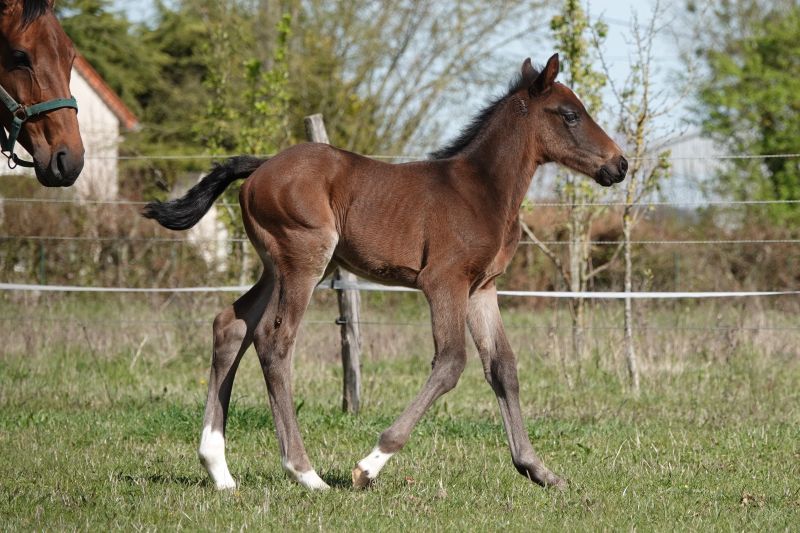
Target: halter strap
column 21, row 113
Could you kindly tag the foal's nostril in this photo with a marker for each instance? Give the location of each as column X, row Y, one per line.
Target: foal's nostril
column 623, row 166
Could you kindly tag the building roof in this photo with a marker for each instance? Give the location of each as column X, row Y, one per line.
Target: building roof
column 127, row 119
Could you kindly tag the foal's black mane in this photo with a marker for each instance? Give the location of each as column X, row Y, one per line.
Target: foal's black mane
column 31, row 9
column 476, row 125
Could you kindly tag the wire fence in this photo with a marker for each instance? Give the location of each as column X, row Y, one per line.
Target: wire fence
column 558, row 327
column 406, row 157
column 534, row 203
column 204, row 322
column 374, row 287
column 223, row 240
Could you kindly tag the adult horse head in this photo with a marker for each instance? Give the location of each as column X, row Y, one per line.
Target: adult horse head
column 36, row 106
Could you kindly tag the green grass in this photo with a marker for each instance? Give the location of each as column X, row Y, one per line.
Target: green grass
column 100, row 432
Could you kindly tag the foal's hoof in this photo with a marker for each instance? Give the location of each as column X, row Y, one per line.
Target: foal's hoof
column 225, row 485
column 360, row 478
column 542, row 476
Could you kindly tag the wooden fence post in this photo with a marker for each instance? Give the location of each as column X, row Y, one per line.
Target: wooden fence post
column 349, row 304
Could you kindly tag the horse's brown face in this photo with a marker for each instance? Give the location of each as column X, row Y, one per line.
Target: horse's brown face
column 35, row 66
column 567, row 134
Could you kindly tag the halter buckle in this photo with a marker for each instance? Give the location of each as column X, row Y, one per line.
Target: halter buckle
column 21, row 113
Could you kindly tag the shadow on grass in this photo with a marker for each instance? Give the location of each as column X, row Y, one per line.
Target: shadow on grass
column 338, row 479
column 163, row 479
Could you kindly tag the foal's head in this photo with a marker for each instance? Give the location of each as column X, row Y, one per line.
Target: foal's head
column 35, row 64
column 563, row 130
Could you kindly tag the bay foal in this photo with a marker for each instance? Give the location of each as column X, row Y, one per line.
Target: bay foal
column 447, row 226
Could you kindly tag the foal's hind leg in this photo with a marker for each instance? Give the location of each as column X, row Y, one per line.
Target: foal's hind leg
column 500, row 369
column 448, row 310
column 274, row 341
column 233, row 333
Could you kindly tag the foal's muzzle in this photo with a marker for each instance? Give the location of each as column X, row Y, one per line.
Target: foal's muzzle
column 612, row 172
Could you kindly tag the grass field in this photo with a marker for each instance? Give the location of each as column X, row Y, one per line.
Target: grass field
column 99, row 428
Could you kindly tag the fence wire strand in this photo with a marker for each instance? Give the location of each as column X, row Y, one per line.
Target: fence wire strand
column 648, row 204
column 193, row 240
column 190, row 157
column 421, row 325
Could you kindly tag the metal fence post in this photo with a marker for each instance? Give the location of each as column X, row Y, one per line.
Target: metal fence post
column 349, row 304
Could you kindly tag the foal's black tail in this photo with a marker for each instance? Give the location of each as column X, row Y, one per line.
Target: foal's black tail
column 185, row 212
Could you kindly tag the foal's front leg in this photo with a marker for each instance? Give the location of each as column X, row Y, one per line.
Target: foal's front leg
column 500, row 369
column 448, row 315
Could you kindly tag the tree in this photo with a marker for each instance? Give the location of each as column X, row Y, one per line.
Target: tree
column 173, row 103
column 158, row 72
column 380, row 72
column 111, row 44
column 573, row 33
column 639, row 105
column 749, row 99
column 248, row 108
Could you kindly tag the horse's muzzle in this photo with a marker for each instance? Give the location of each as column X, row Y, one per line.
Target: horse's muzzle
column 62, row 170
column 612, row 172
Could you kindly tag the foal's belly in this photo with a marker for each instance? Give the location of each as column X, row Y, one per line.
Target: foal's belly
column 376, row 270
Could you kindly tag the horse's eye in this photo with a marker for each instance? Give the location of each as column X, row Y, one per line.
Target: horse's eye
column 20, row 59
column 570, row 117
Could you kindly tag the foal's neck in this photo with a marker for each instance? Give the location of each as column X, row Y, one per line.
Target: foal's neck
column 505, row 157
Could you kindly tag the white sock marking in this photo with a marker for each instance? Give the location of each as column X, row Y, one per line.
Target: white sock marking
column 308, row 479
column 212, row 455
column 374, row 462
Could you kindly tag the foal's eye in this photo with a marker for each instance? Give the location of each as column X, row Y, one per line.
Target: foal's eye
column 570, row 117
column 20, row 59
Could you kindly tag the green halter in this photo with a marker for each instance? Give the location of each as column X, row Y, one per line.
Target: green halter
column 21, row 113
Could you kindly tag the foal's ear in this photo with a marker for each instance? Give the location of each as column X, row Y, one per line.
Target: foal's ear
column 528, row 72
column 545, row 80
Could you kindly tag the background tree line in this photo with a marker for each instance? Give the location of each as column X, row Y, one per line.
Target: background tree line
column 239, row 75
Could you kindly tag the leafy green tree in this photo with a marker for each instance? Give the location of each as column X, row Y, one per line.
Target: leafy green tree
column 215, row 76
column 172, row 102
column 749, row 100
column 111, row 44
column 248, row 106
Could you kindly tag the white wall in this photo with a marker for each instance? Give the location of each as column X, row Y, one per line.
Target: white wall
column 100, row 132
